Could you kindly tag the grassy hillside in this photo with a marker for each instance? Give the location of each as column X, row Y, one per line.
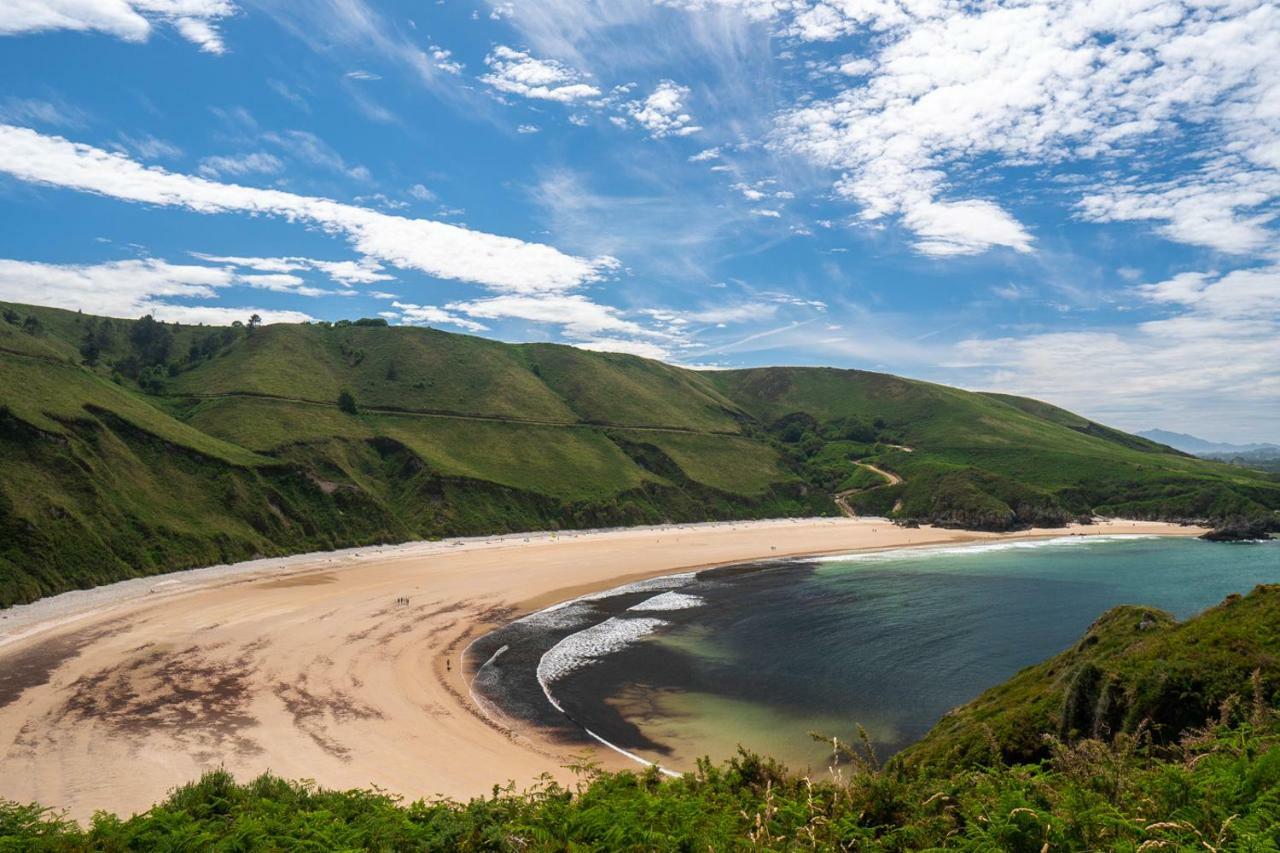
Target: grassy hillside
column 990, row 460
column 132, row 447
column 1210, row 783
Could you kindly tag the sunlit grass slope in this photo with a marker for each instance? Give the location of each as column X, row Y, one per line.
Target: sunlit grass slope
column 990, row 459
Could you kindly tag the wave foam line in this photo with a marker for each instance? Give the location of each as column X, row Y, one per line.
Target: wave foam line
column 978, row 548
column 608, row 640
column 668, row 601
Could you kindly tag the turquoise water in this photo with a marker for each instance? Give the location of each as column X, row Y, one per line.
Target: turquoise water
column 763, row 655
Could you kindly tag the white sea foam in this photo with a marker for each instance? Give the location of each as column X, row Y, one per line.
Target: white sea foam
column 978, row 548
column 669, row 601
column 562, row 616
column 590, row 644
column 649, row 584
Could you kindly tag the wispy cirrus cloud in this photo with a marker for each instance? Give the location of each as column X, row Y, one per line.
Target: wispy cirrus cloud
column 346, row 273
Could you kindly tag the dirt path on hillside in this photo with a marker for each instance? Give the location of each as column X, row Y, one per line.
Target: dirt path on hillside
column 891, row 479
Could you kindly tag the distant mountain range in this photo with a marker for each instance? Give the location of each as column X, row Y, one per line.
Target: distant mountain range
column 1201, row 447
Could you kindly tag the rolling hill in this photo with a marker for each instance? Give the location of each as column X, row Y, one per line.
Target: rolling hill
column 130, row 447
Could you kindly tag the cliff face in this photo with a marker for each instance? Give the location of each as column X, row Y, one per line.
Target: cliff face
column 1136, row 669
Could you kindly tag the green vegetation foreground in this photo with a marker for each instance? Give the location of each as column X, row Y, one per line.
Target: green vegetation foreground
column 1205, row 779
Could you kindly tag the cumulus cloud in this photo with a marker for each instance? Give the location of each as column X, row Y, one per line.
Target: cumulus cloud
column 517, row 73
column 132, row 288
column 434, row 316
column 131, row 20
column 1222, row 206
column 436, row 248
column 444, row 60
column 1027, row 83
column 662, row 113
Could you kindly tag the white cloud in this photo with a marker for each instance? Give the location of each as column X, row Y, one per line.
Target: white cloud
column 1210, row 207
column 1217, row 350
column 130, row 20
column 644, row 349
column 964, row 227
column 432, row 315
column 527, row 129
column 579, row 316
column 444, row 60
column 662, row 113
column 517, row 73
column 342, row 272
column 1037, row 82
column 132, row 288
column 436, row 248
column 255, row 162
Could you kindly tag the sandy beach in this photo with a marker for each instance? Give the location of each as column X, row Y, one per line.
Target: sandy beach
column 309, row 667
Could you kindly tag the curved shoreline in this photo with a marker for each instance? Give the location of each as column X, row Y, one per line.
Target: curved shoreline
column 308, row 666
column 622, row 589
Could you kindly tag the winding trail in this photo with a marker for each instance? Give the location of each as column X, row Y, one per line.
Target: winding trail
column 891, row 479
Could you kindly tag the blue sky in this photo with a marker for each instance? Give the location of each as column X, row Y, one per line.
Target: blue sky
column 1074, row 200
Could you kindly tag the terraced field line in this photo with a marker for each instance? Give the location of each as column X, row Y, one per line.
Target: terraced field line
column 463, row 416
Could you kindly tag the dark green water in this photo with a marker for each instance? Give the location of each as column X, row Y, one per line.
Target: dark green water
column 762, row 655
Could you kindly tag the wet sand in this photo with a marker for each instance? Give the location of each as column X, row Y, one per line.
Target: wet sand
column 309, row 666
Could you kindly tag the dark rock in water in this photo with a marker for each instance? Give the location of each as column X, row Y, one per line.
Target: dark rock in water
column 1242, row 530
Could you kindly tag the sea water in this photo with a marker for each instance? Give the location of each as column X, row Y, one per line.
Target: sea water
column 767, row 655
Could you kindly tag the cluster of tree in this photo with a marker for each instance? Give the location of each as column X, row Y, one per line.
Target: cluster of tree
column 344, row 324
column 149, row 358
column 820, row 451
column 30, row 324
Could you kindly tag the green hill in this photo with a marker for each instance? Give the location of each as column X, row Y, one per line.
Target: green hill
column 1203, row 774
column 130, row 447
